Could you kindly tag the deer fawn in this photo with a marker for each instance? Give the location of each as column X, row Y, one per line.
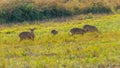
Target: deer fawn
column 54, row 32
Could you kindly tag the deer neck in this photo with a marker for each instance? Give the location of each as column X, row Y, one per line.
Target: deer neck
column 32, row 32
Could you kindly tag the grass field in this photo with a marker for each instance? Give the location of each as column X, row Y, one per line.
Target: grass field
column 62, row 50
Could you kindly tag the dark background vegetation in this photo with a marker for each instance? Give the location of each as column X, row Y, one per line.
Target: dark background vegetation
column 31, row 10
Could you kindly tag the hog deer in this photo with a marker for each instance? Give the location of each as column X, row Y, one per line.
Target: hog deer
column 27, row 35
column 90, row 28
column 54, row 32
column 77, row 31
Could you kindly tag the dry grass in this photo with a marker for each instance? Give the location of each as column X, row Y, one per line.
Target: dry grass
column 65, row 3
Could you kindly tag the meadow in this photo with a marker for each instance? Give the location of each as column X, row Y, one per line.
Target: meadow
column 91, row 50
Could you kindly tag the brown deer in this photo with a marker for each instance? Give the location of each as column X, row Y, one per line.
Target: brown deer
column 54, row 32
column 90, row 28
column 27, row 35
column 77, row 31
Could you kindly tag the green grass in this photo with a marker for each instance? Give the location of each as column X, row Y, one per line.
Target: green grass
column 62, row 50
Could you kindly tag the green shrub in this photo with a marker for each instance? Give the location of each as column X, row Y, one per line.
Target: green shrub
column 53, row 11
column 19, row 11
column 60, row 12
column 77, row 10
column 28, row 12
column 3, row 16
column 97, row 8
column 117, row 9
column 25, row 12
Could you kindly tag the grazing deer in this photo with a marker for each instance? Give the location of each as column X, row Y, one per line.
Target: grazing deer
column 77, row 31
column 90, row 28
column 54, row 32
column 27, row 35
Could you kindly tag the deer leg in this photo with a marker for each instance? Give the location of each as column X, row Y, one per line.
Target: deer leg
column 21, row 39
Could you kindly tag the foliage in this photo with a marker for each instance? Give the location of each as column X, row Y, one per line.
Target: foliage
column 3, row 16
column 97, row 8
column 24, row 12
column 30, row 10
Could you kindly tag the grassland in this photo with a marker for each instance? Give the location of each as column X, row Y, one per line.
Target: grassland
column 91, row 50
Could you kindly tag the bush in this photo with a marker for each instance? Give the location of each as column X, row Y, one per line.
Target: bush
column 55, row 12
column 77, row 10
column 97, row 8
column 117, row 9
column 30, row 10
column 25, row 12
column 3, row 16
